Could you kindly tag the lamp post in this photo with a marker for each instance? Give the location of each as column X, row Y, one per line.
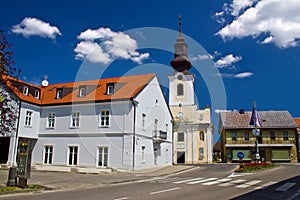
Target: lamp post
column 256, row 132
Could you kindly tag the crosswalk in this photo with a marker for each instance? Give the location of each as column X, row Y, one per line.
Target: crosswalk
column 236, row 182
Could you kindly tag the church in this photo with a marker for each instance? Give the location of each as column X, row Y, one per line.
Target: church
column 193, row 130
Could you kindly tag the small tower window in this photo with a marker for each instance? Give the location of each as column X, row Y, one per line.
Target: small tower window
column 179, row 77
column 25, row 90
column 180, row 89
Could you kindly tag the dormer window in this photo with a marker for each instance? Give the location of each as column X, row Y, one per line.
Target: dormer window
column 82, row 91
column 37, row 94
column 58, row 93
column 110, row 89
column 25, row 90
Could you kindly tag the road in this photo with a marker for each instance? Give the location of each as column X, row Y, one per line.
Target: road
column 205, row 182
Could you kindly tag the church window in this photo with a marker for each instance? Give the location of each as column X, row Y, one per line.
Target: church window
column 180, row 89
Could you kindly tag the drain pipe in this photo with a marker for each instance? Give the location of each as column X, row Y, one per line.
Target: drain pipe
column 134, row 103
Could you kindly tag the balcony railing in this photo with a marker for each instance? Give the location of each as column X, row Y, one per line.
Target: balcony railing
column 264, row 141
column 159, row 135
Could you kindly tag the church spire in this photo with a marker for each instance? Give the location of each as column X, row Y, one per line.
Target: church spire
column 181, row 61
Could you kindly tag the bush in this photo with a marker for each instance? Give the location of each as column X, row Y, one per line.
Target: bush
column 250, row 167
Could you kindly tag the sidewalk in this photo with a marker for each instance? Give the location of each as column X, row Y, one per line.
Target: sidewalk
column 63, row 180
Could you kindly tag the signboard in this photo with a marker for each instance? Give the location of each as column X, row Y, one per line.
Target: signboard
column 247, row 154
column 240, row 155
column 24, row 157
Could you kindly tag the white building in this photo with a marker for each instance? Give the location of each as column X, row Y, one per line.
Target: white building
column 193, row 131
column 121, row 123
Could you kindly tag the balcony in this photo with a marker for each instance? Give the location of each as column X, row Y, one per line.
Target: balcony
column 159, row 136
column 265, row 142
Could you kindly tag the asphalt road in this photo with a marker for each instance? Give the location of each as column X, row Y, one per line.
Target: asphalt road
column 206, row 182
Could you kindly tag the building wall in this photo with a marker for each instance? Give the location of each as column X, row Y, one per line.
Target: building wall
column 266, row 145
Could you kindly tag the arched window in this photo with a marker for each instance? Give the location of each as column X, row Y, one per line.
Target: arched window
column 180, row 89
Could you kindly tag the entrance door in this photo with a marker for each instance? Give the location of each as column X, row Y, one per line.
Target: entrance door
column 4, row 149
column 180, row 157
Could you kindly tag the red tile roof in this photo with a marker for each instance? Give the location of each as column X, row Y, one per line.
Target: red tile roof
column 126, row 87
column 297, row 120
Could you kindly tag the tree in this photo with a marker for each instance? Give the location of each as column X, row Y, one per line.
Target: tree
column 8, row 106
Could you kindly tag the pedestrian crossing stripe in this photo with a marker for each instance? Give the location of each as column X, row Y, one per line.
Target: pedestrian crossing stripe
column 285, row 187
column 188, row 180
column 201, row 181
column 217, row 181
column 265, row 185
column 248, row 184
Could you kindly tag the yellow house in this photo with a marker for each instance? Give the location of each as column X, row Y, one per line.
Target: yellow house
column 276, row 141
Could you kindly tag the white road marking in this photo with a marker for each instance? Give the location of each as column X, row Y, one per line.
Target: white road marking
column 122, row 198
column 201, row 181
column 149, row 180
column 264, row 186
column 167, row 190
column 217, row 181
column 285, row 187
column 248, row 184
column 232, row 183
column 184, row 181
column 238, row 174
column 295, row 195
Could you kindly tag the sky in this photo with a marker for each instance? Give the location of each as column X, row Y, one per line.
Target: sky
column 241, row 50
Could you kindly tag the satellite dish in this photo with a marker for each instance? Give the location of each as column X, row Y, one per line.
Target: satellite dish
column 45, row 83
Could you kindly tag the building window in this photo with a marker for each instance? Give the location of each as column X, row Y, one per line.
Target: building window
column 59, row 93
column 246, row 135
column 233, row 135
column 285, row 135
column 51, row 120
column 82, row 91
column 143, row 121
column 37, row 94
column 103, row 157
column 143, row 153
column 75, row 120
column 202, row 136
column 201, row 153
column 272, row 135
column 180, row 89
column 25, row 90
column 104, row 118
column 110, row 89
column 73, row 155
column 48, row 154
column 28, row 118
column 180, row 137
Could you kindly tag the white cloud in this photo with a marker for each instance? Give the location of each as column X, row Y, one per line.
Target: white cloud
column 106, row 45
column 243, row 75
column 239, row 75
column 222, row 110
column 278, row 21
column 33, row 26
column 202, row 57
column 227, row 60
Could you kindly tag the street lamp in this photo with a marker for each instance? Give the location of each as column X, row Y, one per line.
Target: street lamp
column 256, row 132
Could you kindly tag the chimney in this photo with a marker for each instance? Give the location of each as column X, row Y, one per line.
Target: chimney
column 242, row 111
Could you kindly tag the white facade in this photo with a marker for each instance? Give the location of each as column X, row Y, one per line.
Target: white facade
column 137, row 133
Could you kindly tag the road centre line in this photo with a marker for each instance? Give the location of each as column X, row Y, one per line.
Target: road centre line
column 122, row 198
column 167, row 190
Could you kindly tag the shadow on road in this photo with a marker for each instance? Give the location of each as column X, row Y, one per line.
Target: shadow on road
column 288, row 189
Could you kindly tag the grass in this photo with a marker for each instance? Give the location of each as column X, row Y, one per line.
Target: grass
column 9, row 189
column 252, row 167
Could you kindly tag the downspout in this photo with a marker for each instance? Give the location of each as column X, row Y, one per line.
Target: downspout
column 16, row 139
column 134, row 103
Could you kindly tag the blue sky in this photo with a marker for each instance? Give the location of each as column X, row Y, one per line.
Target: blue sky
column 254, row 45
